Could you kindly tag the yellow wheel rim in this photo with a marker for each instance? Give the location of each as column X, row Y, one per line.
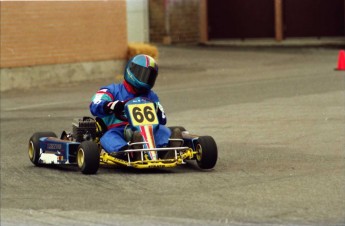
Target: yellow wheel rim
column 199, row 152
column 80, row 157
column 31, row 150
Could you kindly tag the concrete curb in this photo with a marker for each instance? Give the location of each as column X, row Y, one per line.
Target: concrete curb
column 338, row 42
column 48, row 75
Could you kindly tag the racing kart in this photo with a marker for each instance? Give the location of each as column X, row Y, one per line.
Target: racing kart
column 82, row 146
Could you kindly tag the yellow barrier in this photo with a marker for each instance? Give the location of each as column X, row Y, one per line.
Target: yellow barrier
column 142, row 48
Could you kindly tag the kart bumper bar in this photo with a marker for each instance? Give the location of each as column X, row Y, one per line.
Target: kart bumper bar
column 155, row 149
column 181, row 153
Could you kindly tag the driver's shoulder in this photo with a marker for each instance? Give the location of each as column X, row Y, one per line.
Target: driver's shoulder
column 153, row 96
column 112, row 88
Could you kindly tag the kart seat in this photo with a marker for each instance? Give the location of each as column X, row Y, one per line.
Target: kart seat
column 100, row 127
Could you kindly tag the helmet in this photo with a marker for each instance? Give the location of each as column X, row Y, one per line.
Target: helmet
column 141, row 72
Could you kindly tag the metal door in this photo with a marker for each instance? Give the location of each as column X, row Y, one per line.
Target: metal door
column 305, row 18
column 240, row 19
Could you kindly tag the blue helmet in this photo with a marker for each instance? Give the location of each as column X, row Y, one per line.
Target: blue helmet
column 141, row 72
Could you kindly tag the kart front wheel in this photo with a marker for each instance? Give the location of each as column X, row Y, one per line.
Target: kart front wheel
column 207, row 152
column 88, row 157
column 34, row 146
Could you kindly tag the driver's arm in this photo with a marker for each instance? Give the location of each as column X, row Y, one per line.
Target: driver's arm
column 100, row 103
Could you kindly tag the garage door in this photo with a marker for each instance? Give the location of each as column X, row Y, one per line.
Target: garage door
column 313, row 18
column 240, row 19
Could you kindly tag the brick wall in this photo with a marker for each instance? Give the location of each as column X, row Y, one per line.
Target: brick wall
column 55, row 32
column 156, row 20
column 183, row 20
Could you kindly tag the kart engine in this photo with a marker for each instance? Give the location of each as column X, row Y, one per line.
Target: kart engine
column 84, row 129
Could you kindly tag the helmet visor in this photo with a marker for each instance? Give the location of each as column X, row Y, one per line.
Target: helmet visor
column 144, row 74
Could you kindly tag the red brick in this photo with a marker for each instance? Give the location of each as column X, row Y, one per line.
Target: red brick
column 184, row 20
column 55, row 32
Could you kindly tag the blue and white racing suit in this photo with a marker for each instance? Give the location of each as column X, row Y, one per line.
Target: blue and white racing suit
column 113, row 140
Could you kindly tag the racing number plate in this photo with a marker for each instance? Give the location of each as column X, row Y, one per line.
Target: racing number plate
column 143, row 114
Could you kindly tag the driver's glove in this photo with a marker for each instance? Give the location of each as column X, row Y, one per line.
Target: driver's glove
column 115, row 107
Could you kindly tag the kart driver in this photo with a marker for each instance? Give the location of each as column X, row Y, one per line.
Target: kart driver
column 108, row 103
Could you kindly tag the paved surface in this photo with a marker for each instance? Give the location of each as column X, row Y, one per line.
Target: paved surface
column 277, row 116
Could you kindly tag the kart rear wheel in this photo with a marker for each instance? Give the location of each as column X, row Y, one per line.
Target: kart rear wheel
column 207, row 152
column 34, row 146
column 88, row 157
column 182, row 129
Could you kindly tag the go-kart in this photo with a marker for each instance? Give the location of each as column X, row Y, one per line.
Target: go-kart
column 82, row 146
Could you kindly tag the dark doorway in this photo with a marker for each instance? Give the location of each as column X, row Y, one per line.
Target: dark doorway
column 240, row 19
column 313, row 18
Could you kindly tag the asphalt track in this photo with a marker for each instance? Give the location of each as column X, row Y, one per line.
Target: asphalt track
column 277, row 116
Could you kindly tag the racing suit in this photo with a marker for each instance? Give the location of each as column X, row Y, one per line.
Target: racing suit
column 113, row 140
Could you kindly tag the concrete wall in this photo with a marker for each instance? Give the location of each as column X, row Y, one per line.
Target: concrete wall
column 138, row 21
column 61, row 34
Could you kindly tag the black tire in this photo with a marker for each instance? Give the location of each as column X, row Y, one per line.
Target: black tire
column 207, row 152
column 88, row 157
column 182, row 129
column 34, row 146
